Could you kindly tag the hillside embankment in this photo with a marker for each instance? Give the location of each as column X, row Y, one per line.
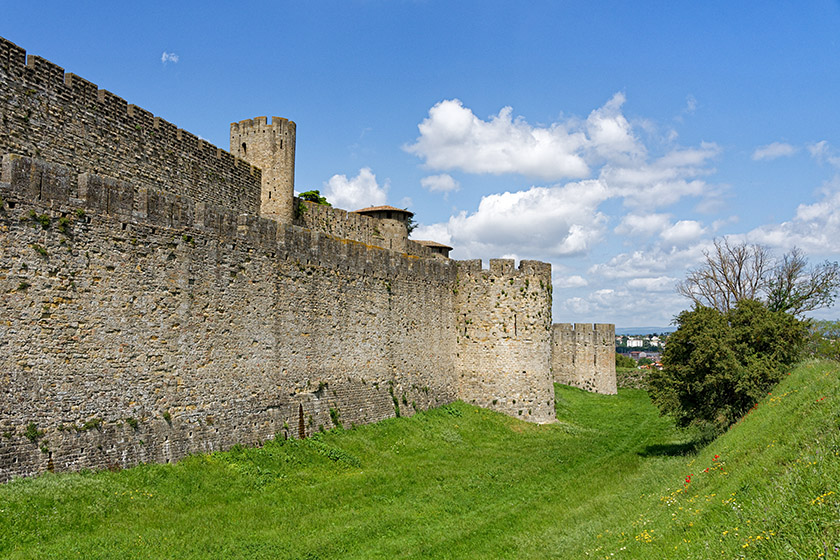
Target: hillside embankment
column 610, row 479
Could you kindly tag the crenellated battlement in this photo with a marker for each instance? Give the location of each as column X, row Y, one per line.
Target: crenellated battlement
column 271, row 147
column 261, row 125
column 65, row 119
column 165, row 289
column 505, row 267
column 50, row 186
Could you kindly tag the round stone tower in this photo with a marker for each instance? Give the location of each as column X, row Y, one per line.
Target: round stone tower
column 271, row 147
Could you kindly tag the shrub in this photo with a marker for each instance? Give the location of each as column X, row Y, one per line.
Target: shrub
column 718, row 365
column 64, row 225
column 42, row 219
column 40, row 249
column 335, row 416
column 92, row 424
column 622, row 361
column 314, row 196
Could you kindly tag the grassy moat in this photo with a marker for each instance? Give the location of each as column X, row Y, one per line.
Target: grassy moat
column 611, row 479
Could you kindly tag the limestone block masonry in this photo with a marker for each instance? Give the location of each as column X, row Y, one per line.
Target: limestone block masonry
column 583, row 356
column 504, row 337
column 159, row 298
column 64, row 119
column 131, row 336
column 271, row 147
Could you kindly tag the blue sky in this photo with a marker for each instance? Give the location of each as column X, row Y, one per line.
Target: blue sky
column 615, row 140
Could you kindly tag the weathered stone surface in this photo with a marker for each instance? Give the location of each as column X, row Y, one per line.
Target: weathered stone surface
column 271, row 147
column 504, row 337
column 584, row 356
column 68, row 121
column 154, row 304
column 128, row 341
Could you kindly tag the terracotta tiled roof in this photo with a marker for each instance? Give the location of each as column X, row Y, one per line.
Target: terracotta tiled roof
column 383, row 209
column 431, row 244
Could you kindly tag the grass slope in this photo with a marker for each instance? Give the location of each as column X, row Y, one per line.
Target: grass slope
column 612, row 479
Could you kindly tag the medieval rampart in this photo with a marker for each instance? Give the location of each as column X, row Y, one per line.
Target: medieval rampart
column 132, row 338
column 148, row 311
column 583, row 356
column 504, row 337
column 64, row 119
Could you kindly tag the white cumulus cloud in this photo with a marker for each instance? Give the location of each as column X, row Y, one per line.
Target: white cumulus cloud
column 433, row 232
column 814, row 228
column 610, row 135
column 658, row 284
column 452, row 137
column 665, row 180
column 773, row 151
column 574, row 281
column 643, row 225
column 683, row 232
column 169, row 57
column 824, row 153
column 547, row 221
column 358, row 192
column 440, row 183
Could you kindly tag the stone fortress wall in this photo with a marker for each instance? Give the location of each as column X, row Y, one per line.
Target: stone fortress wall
column 388, row 234
column 504, row 326
column 583, row 355
column 64, row 119
column 149, row 310
column 130, row 337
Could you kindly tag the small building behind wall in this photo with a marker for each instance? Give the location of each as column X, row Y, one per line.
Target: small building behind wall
column 438, row 249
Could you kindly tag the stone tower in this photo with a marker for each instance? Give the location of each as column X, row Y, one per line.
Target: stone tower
column 271, row 147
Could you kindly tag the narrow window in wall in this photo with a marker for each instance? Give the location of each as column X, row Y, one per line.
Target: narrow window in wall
column 244, row 149
column 269, row 195
column 301, row 425
column 281, row 143
column 515, row 327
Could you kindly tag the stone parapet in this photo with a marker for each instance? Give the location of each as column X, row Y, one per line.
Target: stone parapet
column 69, row 121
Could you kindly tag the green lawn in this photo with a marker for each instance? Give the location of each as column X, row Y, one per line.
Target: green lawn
column 607, row 481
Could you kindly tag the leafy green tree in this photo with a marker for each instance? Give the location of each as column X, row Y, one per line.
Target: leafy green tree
column 622, row 361
column 718, row 365
column 314, row 196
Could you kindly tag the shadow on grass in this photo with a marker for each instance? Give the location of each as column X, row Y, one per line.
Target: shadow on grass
column 673, row 449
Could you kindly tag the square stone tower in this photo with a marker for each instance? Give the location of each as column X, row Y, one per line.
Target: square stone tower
column 271, row 147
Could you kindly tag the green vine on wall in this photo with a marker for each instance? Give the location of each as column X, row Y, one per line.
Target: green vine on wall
column 32, row 433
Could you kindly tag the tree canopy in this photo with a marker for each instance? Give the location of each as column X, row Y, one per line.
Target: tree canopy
column 733, row 273
column 314, row 196
column 718, row 365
